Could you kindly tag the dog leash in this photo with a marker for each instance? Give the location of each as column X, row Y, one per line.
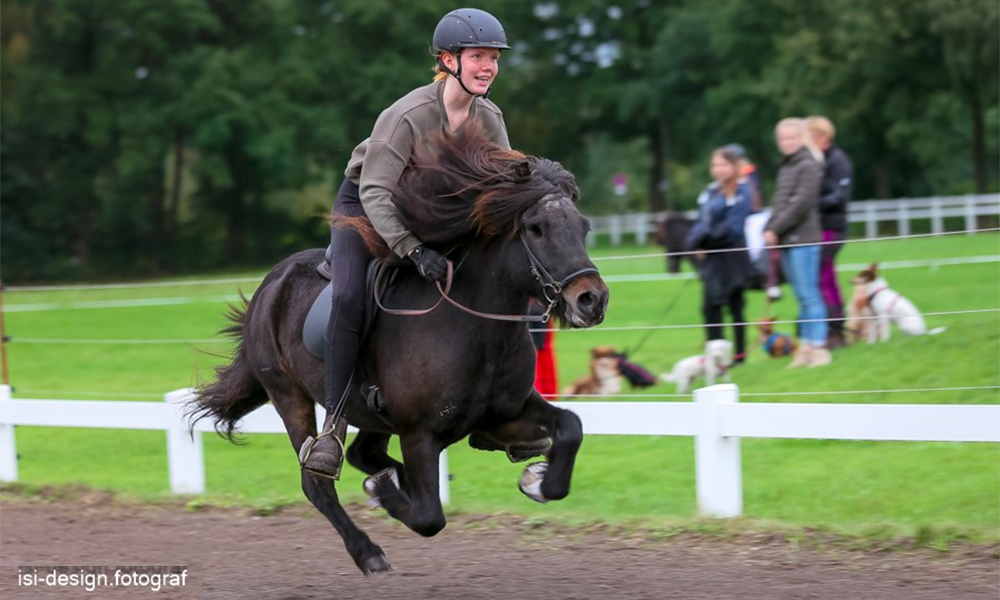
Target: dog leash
column 666, row 312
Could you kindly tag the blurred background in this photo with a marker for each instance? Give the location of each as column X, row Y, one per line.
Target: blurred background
column 148, row 138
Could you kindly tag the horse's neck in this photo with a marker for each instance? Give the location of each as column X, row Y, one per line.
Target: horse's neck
column 489, row 280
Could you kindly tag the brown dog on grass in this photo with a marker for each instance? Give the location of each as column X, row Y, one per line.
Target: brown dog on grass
column 605, row 378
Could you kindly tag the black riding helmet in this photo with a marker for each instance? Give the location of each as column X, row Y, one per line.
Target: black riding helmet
column 467, row 28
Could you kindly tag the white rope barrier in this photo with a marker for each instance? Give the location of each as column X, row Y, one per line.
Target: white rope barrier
column 26, row 392
column 847, row 268
column 185, row 282
column 18, row 340
column 784, row 246
column 748, row 323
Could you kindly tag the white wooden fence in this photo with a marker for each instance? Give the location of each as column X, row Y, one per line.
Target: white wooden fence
column 715, row 419
column 902, row 211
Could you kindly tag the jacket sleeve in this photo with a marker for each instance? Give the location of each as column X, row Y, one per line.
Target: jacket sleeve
column 387, row 155
column 837, row 180
column 698, row 234
column 731, row 230
column 801, row 199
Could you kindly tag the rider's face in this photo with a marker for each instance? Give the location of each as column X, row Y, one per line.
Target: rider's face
column 479, row 68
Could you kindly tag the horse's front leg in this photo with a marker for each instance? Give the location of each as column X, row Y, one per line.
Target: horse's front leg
column 540, row 421
column 419, row 506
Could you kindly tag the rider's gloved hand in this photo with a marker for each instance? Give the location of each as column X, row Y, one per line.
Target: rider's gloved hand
column 430, row 264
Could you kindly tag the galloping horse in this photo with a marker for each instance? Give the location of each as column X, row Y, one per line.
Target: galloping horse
column 510, row 224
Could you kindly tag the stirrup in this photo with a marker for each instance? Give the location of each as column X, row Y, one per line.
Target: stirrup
column 328, row 462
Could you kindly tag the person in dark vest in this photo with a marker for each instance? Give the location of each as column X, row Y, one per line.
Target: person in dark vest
column 835, row 193
column 722, row 212
column 467, row 43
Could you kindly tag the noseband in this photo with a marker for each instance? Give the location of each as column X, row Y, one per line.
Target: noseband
column 549, row 282
column 538, row 270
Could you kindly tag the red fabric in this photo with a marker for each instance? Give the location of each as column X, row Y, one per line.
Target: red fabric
column 545, row 369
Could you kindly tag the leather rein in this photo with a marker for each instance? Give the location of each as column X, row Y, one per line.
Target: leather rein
column 551, row 289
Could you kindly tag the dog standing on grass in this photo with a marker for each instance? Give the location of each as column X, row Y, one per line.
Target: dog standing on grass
column 874, row 298
column 605, row 377
column 714, row 363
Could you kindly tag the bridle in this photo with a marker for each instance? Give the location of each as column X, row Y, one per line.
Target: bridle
column 549, row 286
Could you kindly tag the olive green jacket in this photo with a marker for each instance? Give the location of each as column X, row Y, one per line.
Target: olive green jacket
column 378, row 162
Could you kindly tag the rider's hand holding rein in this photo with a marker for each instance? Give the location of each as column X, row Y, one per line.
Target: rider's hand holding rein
column 430, row 264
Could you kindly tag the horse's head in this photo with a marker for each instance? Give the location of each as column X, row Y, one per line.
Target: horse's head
column 553, row 233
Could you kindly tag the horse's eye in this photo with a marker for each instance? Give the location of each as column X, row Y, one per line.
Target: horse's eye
column 535, row 230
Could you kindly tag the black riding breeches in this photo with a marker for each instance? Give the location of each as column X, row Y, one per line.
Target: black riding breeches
column 713, row 317
column 349, row 262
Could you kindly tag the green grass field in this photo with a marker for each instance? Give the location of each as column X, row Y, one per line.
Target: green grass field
column 936, row 490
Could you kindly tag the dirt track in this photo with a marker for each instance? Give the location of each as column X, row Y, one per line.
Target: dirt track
column 233, row 555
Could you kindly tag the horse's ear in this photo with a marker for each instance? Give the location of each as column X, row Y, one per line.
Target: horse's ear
column 522, row 170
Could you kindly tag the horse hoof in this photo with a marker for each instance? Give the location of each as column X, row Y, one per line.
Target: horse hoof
column 372, row 484
column 531, row 481
column 375, row 565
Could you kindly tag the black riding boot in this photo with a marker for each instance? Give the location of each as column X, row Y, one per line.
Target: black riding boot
column 324, row 455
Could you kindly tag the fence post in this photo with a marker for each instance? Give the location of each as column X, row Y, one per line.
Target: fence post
column 444, row 480
column 970, row 214
column 8, row 449
column 615, row 227
column 871, row 220
column 937, row 220
column 903, row 216
column 185, row 457
column 641, row 222
column 717, row 458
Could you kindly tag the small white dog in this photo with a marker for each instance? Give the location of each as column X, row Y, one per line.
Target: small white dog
column 874, row 297
column 714, row 363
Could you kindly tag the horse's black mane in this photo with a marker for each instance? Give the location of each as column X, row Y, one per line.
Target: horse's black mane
column 463, row 187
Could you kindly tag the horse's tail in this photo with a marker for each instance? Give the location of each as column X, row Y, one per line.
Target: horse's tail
column 234, row 392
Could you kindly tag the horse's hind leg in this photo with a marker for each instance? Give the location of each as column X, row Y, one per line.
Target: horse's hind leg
column 298, row 414
column 418, row 507
column 538, row 420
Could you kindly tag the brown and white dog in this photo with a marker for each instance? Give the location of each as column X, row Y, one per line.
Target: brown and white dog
column 605, row 378
column 873, row 298
column 714, row 363
column 775, row 343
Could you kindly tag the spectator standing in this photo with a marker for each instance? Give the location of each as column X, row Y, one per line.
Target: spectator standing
column 795, row 221
column 722, row 211
column 835, row 193
column 543, row 338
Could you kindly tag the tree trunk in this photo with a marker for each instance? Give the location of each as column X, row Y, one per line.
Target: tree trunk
column 157, row 215
column 178, row 181
column 657, row 147
column 883, row 180
column 978, row 143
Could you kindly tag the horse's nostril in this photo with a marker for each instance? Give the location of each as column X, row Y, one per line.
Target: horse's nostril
column 585, row 301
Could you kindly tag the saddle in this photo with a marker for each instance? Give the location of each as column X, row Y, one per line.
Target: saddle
column 314, row 327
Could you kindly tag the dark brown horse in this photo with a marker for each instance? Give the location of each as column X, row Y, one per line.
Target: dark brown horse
column 510, row 224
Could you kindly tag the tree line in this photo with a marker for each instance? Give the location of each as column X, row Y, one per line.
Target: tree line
column 155, row 137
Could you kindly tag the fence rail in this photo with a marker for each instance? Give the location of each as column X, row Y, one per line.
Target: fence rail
column 901, row 211
column 715, row 419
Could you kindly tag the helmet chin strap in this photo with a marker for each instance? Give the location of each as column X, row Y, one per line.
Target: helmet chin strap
column 457, row 74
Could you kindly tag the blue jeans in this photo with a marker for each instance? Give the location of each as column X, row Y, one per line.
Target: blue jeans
column 801, row 265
